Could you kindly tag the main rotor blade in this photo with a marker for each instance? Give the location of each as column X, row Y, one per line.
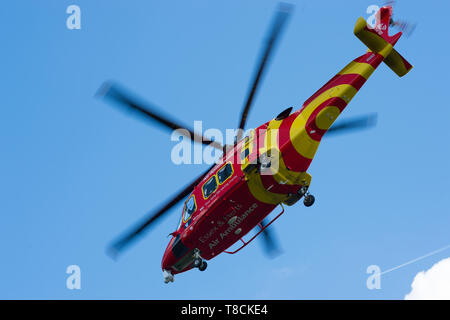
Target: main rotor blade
column 126, row 240
column 356, row 123
column 149, row 112
column 281, row 17
column 270, row 244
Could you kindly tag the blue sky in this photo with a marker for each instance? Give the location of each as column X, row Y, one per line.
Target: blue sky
column 75, row 172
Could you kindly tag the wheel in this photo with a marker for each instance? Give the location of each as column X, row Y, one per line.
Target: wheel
column 308, row 201
column 203, row 266
column 197, row 262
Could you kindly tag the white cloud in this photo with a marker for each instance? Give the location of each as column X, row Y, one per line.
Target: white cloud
column 432, row 284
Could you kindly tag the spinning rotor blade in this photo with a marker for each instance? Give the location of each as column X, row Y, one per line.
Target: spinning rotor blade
column 113, row 92
column 270, row 244
column 406, row 27
column 282, row 14
column 356, row 123
column 125, row 240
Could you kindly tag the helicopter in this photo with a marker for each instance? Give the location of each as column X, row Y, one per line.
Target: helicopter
column 266, row 168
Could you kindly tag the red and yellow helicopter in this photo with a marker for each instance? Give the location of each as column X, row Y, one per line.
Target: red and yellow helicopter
column 268, row 167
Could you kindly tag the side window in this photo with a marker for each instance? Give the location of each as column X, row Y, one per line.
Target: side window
column 225, row 172
column 245, row 153
column 189, row 208
column 209, row 187
column 246, row 146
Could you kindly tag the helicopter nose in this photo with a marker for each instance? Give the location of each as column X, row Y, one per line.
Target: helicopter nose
column 168, row 259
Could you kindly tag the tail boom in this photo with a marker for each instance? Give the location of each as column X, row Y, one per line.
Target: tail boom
column 307, row 126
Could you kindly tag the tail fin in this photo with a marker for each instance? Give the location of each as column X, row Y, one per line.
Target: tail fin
column 377, row 39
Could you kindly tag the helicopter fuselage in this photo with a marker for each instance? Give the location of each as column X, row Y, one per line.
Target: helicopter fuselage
column 268, row 169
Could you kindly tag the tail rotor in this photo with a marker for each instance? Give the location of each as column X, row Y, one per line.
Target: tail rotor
column 406, row 27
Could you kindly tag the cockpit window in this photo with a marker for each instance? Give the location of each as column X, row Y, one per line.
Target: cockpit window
column 189, row 208
column 224, row 173
column 209, row 187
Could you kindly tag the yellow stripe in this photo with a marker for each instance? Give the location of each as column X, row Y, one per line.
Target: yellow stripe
column 302, row 142
column 386, row 50
column 326, row 117
column 271, row 136
column 278, row 169
column 395, row 62
column 254, row 181
column 372, row 40
column 257, row 189
column 363, row 69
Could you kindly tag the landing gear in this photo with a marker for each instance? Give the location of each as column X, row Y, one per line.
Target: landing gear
column 199, row 262
column 309, row 199
column 293, row 198
column 203, row 266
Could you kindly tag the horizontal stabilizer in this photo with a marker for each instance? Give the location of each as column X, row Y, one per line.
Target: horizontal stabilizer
column 397, row 63
column 377, row 39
